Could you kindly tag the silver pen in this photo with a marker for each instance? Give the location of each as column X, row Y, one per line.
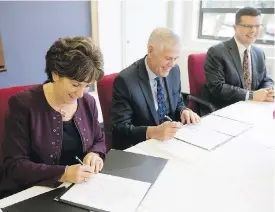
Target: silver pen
column 169, row 119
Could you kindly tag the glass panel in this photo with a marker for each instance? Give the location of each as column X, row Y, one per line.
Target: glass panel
column 237, row 4
column 221, row 25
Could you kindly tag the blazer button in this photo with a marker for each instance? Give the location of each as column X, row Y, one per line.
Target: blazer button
column 51, row 156
column 53, row 143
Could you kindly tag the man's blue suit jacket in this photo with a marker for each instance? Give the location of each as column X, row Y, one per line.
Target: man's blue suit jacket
column 133, row 108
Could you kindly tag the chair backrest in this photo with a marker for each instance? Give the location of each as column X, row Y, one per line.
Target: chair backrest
column 105, row 93
column 5, row 94
column 196, row 74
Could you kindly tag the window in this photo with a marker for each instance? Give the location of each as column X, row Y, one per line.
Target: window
column 2, row 62
column 217, row 19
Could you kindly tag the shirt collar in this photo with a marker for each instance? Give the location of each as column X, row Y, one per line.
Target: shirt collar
column 151, row 74
column 241, row 47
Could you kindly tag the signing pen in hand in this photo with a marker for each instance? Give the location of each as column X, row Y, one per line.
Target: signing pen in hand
column 167, row 118
column 79, row 161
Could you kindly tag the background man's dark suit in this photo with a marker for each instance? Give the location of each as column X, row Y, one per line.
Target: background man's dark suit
column 224, row 73
column 133, row 108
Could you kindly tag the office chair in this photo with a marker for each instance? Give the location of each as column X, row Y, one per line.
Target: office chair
column 196, row 82
column 105, row 92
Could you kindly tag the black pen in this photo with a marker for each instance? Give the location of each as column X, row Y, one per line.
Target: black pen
column 79, row 161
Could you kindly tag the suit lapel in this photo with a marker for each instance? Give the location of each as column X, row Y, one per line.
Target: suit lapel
column 253, row 68
column 169, row 82
column 234, row 52
column 146, row 89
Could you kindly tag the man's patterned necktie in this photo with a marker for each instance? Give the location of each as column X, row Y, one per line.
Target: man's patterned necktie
column 246, row 73
column 161, row 100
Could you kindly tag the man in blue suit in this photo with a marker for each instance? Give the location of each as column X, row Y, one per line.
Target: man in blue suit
column 149, row 91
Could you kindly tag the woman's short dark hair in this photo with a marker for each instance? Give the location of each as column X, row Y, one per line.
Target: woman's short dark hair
column 246, row 11
column 77, row 58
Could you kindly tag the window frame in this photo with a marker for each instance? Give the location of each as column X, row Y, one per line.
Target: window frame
column 2, row 58
column 227, row 10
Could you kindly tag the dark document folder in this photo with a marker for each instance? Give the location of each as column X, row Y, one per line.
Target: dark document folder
column 44, row 203
column 133, row 166
column 117, row 163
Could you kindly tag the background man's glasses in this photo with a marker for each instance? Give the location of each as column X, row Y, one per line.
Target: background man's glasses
column 250, row 26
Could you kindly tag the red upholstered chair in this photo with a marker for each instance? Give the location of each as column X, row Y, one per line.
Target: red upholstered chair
column 5, row 94
column 196, row 83
column 105, row 92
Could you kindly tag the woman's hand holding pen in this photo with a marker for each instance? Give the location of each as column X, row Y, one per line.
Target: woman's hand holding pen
column 77, row 174
column 94, row 161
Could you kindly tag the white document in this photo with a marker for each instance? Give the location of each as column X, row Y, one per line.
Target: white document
column 201, row 137
column 248, row 111
column 224, row 125
column 108, row 193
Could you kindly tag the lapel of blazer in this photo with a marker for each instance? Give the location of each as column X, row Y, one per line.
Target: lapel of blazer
column 234, row 52
column 169, row 82
column 253, row 68
column 146, row 89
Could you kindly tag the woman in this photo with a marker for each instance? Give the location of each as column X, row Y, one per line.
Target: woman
column 49, row 125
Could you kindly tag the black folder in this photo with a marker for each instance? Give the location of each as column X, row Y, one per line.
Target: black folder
column 133, row 166
column 118, row 163
column 44, row 203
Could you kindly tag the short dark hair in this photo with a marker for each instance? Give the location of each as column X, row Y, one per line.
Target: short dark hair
column 246, row 11
column 77, row 58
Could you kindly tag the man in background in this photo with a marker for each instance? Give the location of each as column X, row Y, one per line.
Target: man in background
column 235, row 69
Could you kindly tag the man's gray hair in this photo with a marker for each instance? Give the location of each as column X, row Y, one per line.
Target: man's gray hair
column 163, row 38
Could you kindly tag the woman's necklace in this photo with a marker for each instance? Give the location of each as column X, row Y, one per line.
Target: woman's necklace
column 63, row 113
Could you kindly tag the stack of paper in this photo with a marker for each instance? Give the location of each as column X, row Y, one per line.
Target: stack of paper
column 211, row 132
column 201, row 137
column 107, row 193
column 224, row 125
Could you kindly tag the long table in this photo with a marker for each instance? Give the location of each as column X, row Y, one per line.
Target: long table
column 237, row 176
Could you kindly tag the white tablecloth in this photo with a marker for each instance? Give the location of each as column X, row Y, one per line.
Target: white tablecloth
column 238, row 176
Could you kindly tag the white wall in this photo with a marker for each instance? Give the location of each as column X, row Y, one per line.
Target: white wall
column 110, row 36
column 123, row 33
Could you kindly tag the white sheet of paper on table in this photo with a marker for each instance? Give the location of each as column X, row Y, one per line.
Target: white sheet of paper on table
column 201, row 137
column 224, row 125
column 109, row 193
column 248, row 111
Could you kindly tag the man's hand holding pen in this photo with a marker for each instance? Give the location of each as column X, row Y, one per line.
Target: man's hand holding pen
column 168, row 129
column 164, row 131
